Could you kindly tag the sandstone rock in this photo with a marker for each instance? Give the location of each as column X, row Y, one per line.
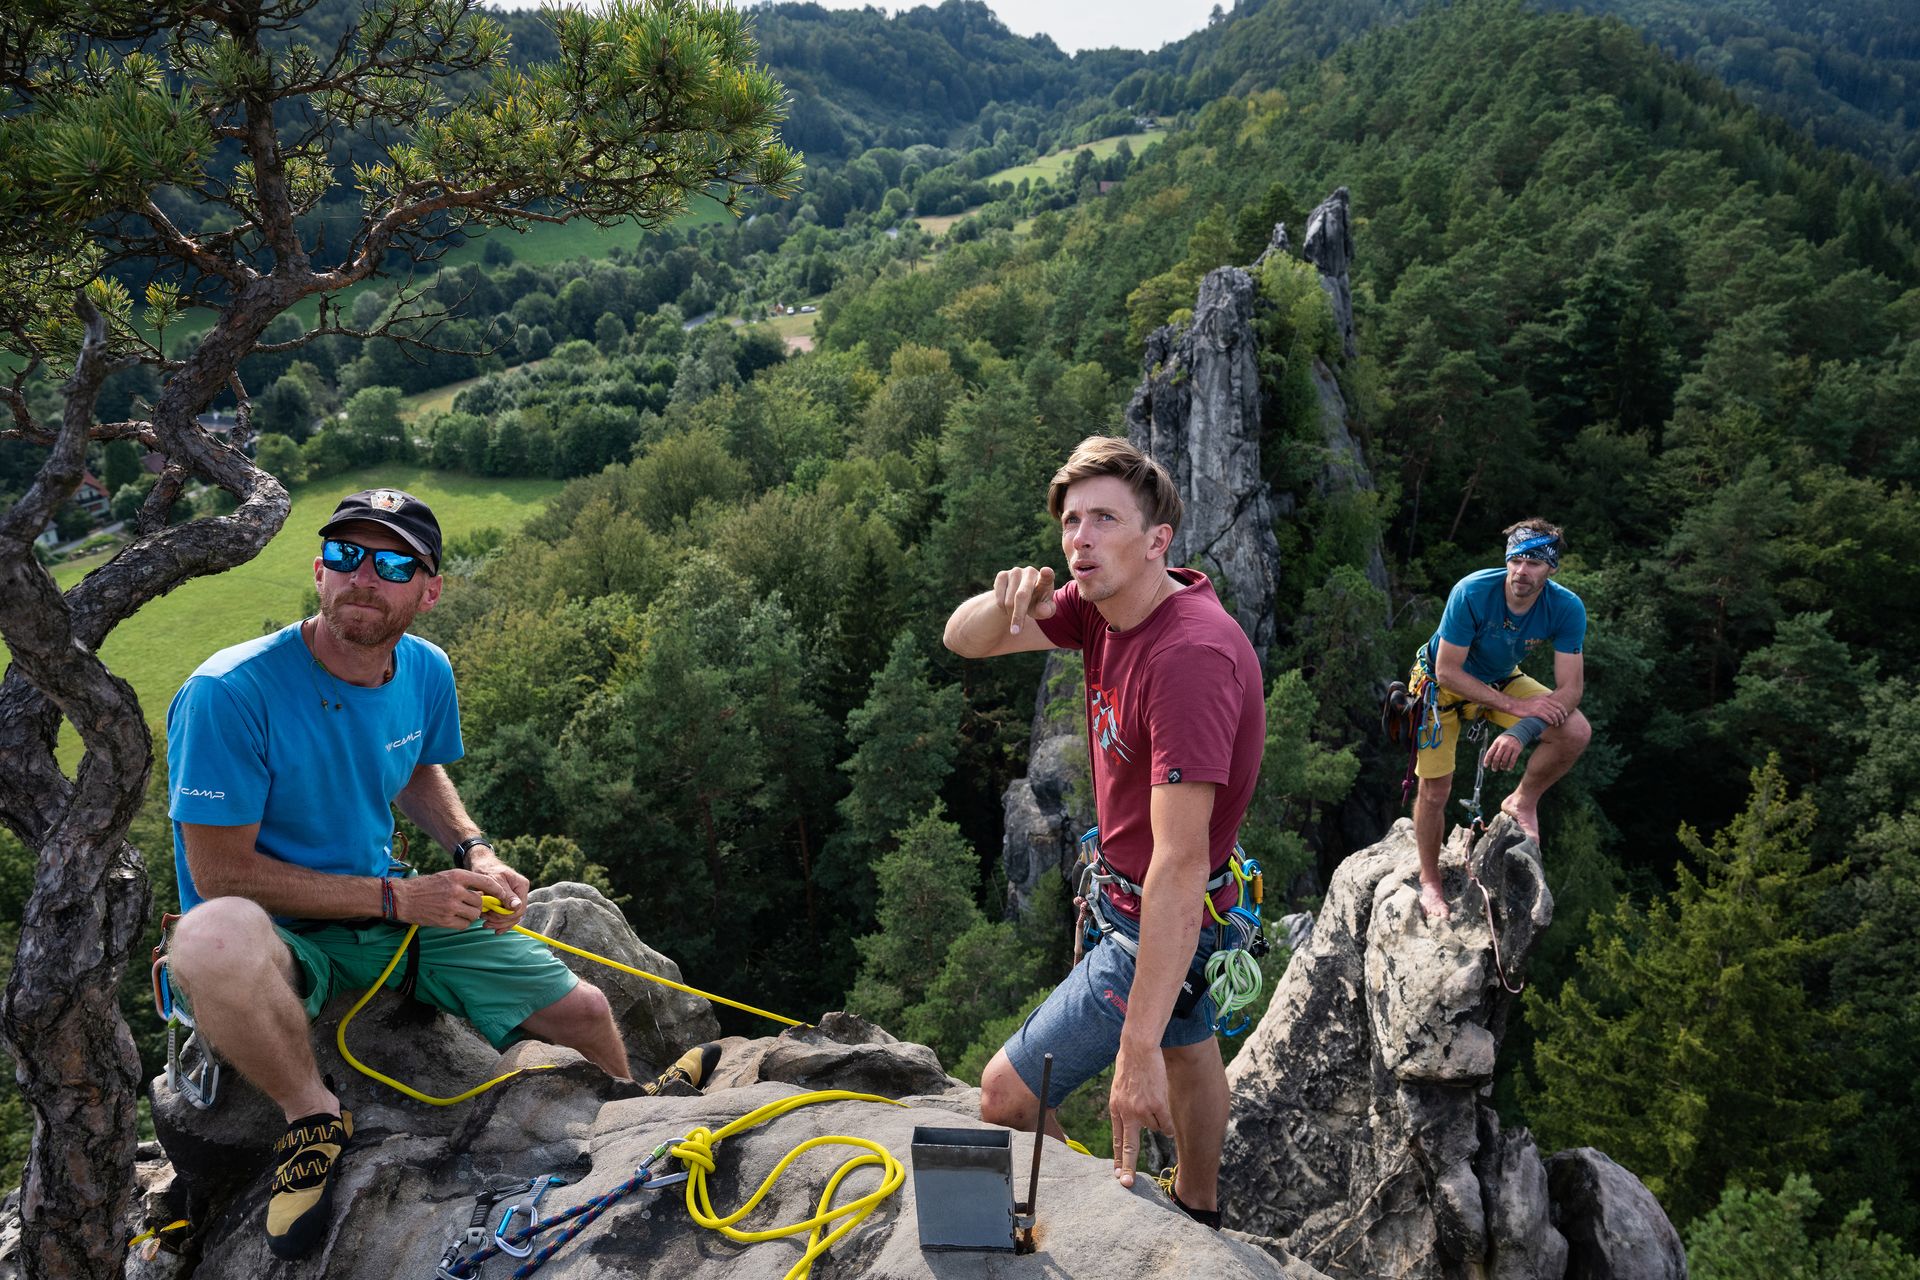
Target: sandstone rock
column 1043, row 814
column 842, row 1052
column 1522, row 1240
column 659, row 1023
column 1359, row 1135
column 400, row 1202
column 1614, row 1227
column 1329, row 246
column 1198, row 412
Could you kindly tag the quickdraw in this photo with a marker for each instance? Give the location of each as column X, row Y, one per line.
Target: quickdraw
column 198, row 1083
column 457, row 1264
column 1476, row 733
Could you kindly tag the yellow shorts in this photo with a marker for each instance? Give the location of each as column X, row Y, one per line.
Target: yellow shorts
column 1437, row 762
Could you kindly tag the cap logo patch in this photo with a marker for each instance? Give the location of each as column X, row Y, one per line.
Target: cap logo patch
column 386, row 499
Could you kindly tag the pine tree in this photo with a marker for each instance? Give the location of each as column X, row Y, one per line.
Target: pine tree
column 923, row 901
column 1689, row 1047
column 1763, row 1235
column 904, row 740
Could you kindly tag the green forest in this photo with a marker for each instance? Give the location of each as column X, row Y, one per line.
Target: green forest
column 1650, row 270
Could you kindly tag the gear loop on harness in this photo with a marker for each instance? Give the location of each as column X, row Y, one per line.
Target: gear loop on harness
column 1231, row 974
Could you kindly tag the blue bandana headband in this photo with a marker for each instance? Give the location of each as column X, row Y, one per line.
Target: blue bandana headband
column 1538, row 546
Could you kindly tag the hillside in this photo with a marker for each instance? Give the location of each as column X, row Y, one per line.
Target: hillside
column 1847, row 74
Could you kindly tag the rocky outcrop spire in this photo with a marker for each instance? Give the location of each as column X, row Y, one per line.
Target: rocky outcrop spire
column 1043, row 814
column 1360, row 1134
column 1198, row 412
column 1329, row 247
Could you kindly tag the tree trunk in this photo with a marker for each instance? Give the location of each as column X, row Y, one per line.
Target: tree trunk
column 77, row 1066
column 76, row 1063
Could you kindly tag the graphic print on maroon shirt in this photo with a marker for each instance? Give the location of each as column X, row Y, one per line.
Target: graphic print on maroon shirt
column 1104, row 725
column 1177, row 698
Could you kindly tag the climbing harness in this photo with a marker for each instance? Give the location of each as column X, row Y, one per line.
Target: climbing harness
column 696, row 1153
column 1231, row 974
column 197, row 1082
column 493, row 904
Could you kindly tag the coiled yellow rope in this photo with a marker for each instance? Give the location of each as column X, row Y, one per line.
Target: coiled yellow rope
column 697, row 1152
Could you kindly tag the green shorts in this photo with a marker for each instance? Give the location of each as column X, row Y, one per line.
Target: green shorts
column 493, row 980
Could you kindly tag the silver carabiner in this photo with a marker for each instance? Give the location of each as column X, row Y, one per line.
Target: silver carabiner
column 538, row 1188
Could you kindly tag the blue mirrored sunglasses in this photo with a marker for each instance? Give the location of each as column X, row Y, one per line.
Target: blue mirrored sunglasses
column 391, row 566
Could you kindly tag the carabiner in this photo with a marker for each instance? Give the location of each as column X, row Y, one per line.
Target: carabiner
column 538, row 1187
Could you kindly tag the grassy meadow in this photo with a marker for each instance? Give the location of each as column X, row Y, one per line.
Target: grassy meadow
column 158, row 648
column 1052, row 167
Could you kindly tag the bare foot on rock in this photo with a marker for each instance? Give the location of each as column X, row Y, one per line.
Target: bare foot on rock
column 1433, row 903
column 1528, row 816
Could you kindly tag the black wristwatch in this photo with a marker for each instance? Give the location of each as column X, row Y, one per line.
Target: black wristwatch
column 467, row 846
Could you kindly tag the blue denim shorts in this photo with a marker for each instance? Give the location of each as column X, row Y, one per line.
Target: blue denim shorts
column 1079, row 1024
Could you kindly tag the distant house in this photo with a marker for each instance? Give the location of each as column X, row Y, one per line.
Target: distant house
column 92, row 496
column 1108, row 184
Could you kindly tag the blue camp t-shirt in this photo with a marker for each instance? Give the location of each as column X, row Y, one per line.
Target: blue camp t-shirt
column 248, row 740
column 1495, row 637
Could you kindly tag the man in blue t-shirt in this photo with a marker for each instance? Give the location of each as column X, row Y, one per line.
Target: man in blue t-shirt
column 286, row 757
column 1470, row 670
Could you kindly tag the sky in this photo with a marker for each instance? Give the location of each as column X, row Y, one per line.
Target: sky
column 1073, row 24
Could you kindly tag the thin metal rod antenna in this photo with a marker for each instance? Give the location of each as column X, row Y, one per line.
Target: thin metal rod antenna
column 1039, row 1134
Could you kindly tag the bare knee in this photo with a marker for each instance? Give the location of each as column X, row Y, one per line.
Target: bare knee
column 573, row 1017
column 1576, row 731
column 223, row 939
column 1433, row 792
column 1004, row 1096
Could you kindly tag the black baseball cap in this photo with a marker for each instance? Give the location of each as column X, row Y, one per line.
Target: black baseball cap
column 401, row 512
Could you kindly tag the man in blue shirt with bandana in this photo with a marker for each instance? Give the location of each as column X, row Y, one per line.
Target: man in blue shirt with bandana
column 1470, row 670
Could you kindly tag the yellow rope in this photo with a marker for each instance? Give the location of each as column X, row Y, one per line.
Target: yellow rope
column 493, row 904
column 696, row 1152
column 340, row 1042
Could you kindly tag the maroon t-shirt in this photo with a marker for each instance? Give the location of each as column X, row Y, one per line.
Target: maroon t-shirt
column 1177, row 698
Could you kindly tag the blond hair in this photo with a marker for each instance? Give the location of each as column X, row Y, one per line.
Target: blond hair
column 1149, row 482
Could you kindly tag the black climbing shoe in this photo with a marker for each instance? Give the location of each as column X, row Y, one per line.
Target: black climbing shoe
column 1205, row 1217
column 686, row 1076
column 302, row 1197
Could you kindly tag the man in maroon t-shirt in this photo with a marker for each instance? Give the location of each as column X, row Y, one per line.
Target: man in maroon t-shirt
column 1176, row 722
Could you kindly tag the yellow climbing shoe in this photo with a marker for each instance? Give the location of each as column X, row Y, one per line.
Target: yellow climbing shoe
column 302, row 1196
column 690, row 1071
